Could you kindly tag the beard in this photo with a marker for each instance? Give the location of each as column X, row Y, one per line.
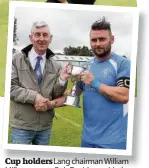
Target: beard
column 105, row 52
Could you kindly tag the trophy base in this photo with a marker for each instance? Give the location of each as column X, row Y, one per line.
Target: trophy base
column 72, row 101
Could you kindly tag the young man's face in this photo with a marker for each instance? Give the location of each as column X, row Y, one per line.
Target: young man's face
column 100, row 41
column 40, row 39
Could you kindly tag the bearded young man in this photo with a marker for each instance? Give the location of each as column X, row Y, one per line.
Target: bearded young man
column 105, row 89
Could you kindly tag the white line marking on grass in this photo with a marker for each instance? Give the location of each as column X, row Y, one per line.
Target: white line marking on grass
column 68, row 120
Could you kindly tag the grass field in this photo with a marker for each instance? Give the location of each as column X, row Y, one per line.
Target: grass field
column 67, row 125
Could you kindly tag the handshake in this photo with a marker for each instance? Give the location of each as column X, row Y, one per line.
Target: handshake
column 43, row 104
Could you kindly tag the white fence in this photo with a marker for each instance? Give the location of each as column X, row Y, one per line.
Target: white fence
column 74, row 60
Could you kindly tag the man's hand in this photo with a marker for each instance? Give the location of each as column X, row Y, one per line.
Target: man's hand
column 87, row 78
column 39, row 98
column 41, row 103
column 42, row 106
column 65, row 73
column 51, row 104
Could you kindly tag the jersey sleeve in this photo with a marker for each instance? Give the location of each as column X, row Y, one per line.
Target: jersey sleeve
column 123, row 74
column 80, row 85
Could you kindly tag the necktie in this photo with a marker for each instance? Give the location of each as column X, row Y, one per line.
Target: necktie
column 37, row 70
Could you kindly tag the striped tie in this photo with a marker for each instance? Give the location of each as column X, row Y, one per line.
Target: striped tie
column 37, row 70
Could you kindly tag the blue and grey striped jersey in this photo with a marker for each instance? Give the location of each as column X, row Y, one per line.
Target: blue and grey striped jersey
column 105, row 121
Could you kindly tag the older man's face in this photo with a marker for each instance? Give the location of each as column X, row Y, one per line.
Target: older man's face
column 40, row 39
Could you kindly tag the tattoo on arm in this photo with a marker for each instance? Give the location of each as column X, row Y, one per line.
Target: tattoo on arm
column 59, row 102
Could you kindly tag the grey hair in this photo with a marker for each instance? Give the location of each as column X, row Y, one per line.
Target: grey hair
column 37, row 25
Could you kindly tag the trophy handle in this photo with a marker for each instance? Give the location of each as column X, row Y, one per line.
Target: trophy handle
column 72, row 99
column 73, row 90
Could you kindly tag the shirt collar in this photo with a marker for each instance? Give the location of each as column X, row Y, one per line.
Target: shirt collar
column 33, row 55
column 98, row 61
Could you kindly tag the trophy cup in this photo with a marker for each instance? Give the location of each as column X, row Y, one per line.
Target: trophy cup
column 73, row 99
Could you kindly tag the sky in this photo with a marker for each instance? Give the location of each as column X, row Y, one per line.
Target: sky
column 72, row 27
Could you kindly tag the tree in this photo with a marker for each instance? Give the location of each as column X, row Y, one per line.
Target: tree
column 78, row 51
column 15, row 36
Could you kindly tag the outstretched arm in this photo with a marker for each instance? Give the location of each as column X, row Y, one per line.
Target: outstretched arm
column 58, row 102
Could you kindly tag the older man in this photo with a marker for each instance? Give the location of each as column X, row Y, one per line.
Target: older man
column 36, row 79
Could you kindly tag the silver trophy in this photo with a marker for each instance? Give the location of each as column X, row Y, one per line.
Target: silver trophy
column 73, row 99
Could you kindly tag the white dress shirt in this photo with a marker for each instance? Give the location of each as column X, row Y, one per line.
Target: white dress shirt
column 33, row 59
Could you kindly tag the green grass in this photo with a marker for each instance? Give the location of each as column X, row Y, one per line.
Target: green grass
column 3, row 41
column 117, row 2
column 64, row 133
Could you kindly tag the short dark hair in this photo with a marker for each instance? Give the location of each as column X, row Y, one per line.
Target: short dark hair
column 101, row 24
